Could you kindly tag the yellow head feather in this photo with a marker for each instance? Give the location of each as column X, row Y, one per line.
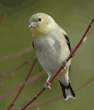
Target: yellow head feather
column 41, row 24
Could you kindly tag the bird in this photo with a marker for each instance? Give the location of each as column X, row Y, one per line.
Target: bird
column 52, row 47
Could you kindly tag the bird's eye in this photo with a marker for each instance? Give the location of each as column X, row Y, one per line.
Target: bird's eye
column 39, row 19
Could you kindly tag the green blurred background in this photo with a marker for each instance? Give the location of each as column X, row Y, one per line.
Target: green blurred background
column 74, row 16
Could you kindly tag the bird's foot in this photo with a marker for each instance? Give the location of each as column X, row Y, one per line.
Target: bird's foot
column 47, row 85
column 66, row 65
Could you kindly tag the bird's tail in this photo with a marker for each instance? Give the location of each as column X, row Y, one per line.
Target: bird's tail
column 67, row 91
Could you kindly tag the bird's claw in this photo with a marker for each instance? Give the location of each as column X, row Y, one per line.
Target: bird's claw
column 47, row 86
column 66, row 65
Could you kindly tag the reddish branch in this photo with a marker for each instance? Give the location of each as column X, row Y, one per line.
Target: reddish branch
column 1, row 16
column 33, row 79
column 9, row 72
column 20, row 90
column 71, row 55
column 16, row 54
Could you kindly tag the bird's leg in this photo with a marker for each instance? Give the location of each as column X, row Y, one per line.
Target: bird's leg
column 47, row 81
column 48, row 78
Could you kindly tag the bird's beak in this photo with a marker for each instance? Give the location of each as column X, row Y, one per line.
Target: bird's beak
column 32, row 25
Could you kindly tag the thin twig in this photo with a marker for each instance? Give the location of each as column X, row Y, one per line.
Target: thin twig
column 9, row 72
column 33, row 79
column 88, row 34
column 20, row 90
column 71, row 55
column 1, row 16
column 16, row 54
column 90, row 31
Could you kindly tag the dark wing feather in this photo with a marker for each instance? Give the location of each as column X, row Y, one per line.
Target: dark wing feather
column 67, row 40
column 33, row 45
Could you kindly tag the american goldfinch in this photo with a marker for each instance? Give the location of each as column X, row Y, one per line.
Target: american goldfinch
column 52, row 47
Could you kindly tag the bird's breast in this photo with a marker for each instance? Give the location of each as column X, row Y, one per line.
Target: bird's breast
column 49, row 52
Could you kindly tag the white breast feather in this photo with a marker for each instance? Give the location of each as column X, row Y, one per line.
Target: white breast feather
column 50, row 53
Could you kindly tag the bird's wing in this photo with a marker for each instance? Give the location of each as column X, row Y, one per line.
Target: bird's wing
column 67, row 38
column 67, row 41
column 64, row 39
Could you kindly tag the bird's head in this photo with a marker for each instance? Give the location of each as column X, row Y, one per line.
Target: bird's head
column 41, row 24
